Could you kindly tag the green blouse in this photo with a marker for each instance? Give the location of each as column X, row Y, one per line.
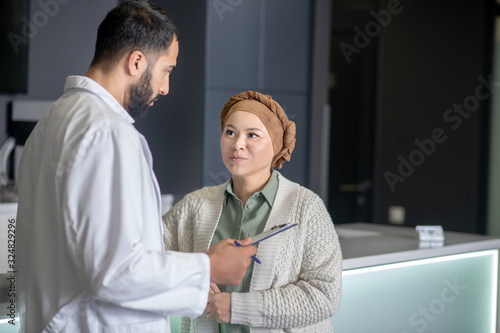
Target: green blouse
column 238, row 222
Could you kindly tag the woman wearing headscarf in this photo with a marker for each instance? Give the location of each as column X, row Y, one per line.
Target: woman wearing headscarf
column 297, row 285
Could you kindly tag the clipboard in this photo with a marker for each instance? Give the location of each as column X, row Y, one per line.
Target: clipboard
column 272, row 232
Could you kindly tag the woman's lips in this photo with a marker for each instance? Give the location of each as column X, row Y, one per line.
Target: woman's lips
column 237, row 159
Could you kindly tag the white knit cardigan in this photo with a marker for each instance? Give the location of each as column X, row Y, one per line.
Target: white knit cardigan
column 297, row 288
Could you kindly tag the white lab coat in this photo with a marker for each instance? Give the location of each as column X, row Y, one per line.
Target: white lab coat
column 90, row 253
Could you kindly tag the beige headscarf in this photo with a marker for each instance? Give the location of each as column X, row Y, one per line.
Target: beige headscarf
column 281, row 130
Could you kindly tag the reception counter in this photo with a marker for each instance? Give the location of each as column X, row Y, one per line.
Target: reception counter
column 391, row 284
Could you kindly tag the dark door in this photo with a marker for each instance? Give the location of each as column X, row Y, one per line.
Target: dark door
column 353, row 68
column 410, row 94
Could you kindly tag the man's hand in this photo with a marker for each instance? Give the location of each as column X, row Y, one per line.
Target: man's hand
column 219, row 308
column 229, row 263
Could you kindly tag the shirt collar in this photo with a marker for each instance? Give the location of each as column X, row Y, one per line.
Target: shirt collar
column 228, row 191
column 268, row 192
column 86, row 83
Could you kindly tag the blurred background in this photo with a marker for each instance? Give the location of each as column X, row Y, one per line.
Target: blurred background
column 396, row 102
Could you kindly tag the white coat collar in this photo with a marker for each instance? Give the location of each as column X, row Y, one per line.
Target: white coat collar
column 86, row 83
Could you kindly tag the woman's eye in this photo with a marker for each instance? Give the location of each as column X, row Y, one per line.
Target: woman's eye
column 229, row 132
column 253, row 135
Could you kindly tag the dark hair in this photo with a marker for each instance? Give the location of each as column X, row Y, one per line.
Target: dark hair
column 134, row 25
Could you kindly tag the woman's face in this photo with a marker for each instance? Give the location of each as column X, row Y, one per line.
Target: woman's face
column 246, row 146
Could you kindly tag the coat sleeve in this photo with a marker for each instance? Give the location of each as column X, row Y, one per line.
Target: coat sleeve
column 106, row 218
column 315, row 294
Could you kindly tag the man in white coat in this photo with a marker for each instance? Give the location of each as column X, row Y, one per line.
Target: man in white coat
column 90, row 253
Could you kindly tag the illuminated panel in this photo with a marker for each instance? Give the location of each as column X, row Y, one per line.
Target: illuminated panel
column 7, row 320
column 454, row 293
column 9, row 327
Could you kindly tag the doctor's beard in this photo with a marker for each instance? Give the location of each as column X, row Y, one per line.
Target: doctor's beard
column 140, row 96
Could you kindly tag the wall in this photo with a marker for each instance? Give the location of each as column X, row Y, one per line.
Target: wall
column 4, row 99
column 64, row 45
column 260, row 45
column 494, row 172
column 247, row 48
column 61, row 44
column 174, row 126
column 434, row 108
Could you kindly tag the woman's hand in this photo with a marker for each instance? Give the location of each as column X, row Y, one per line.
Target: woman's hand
column 214, row 288
column 219, row 306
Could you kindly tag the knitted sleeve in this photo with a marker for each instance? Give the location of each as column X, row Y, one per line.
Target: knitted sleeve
column 314, row 294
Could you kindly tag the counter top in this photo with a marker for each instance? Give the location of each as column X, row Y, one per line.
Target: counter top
column 367, row 244
column 395, row 286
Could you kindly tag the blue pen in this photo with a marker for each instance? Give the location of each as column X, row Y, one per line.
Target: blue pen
column 253, row 257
